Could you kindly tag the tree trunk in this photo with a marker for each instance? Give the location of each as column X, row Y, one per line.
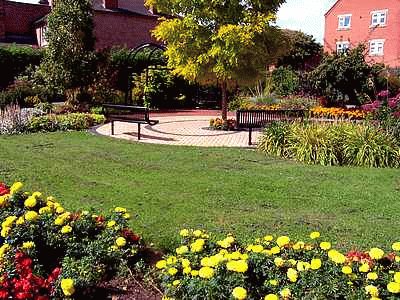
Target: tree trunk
column 224, row 104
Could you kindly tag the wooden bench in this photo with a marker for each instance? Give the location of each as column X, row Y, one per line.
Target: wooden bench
column 130, row 114
column 251, row 119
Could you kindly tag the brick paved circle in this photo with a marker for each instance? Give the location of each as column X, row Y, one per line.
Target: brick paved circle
column 180, row 130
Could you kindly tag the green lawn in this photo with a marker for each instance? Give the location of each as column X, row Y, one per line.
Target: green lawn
column 225, row 190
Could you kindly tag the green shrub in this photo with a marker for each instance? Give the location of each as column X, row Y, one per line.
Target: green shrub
column 14, row 60
column 285, row 81
column 271, row 268
column 72, row 121
column 332, row 144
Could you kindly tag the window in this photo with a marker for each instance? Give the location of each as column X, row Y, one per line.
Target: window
column 344, row 22
column 379, row 18
column 376, row 47
column 342, row 47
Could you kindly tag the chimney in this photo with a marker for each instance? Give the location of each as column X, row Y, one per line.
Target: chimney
column 110, row 4
column 2, row 21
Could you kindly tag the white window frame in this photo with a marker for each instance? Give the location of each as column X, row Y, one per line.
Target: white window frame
column 341, row 21
column 342, row 46
column 378, row 15
column 377, row 47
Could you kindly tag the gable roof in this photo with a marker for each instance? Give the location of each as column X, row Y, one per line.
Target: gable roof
column 333, row 6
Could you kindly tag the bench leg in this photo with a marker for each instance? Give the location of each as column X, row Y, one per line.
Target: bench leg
column 112, row 127
column 250, row 132
column 138, row 131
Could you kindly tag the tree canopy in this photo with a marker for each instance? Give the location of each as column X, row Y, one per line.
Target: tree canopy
column 69, row 55
column 218, row 41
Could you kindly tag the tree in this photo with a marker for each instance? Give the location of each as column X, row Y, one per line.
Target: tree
column 305, row 53
column 345, row 78
column 69, row 59
column 224, row 42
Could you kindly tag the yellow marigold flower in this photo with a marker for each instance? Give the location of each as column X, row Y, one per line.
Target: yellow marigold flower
column 197, row 246
column 206, row 272
column 120, row 210
column 301, row 266
column 325, row 246
column 364, row 268
column 31, row 215
column 184, row 233
column 172, row 271
column 111, row 223
column 187, row 270
column 239, row 293
column 66, row 229
column 37, row 195
column 372, row 276
column 45, row 210
column 126, row 216
column 194, row 273
column 279, row 262
column 271, row 297
column 285, row 293
column 8, row 222
column 314, row 235
column 4, row 249
column 16, row 187
column 20, row 221
column 257, row 249
column 376, row 253
column 67, row 286
column 393, row 287
column 268, row 238
column 176, row 282
column 397, row 277
column 299, row 245
column 292, row 261
column 347, row 270
column 282, row 241
column 336, row 256
column 185, row 263
column 182, row 250
column 30, row 202
column 372, row 290
column 161, row 264
column 197, row 233
column 396, row 246
column 171, row 260
column 230, row 239
column 275, row 250
column 5, row 232
column 239, row 266
column 3, row 200
column 28, row 245
column 224, row 244
column 60, row 210
column 316, row 263
column 292, row 274
column 120, row 242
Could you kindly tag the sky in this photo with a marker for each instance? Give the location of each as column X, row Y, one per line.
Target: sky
column 304, row 15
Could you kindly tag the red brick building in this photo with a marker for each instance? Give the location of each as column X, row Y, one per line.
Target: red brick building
column 373, row 22
column 116, row 23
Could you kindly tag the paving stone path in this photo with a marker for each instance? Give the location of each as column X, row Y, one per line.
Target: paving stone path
column 187, row 130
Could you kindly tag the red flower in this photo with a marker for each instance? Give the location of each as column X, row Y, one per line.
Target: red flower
column 130, row 235
column 3, row 294
column 4, row 190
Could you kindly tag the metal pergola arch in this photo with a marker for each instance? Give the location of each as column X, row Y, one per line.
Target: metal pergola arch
column 132, row 55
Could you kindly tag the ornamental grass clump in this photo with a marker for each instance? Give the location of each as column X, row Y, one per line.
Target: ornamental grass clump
column 272, row 268
column 332, row 144
column 47, row 252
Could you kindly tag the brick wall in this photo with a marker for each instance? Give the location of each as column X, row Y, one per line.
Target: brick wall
column 20, row 17
column 2, row 21
column 116, row 29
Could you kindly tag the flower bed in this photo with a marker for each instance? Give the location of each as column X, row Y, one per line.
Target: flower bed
column 276, row 268
column 219, row 124
column 338, row 113
column 48, row 252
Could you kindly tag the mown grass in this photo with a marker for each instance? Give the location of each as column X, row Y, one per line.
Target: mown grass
column 224, row 190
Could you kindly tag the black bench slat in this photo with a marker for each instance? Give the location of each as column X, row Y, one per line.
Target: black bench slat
column 128, row 113
column 251, row 119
